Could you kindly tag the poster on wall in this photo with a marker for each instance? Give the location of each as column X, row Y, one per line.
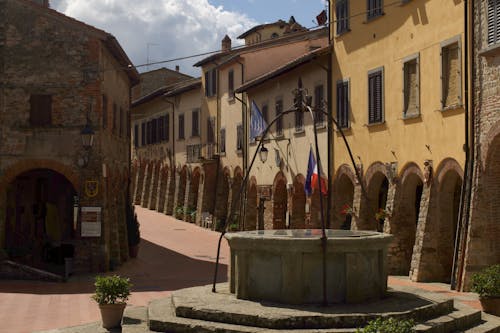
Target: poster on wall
column 91, row 221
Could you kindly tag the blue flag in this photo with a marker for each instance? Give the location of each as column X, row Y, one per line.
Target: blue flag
column 257, row 122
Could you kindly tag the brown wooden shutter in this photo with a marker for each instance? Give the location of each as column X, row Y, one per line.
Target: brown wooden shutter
column 375, row 97
column 493, row 21
column 451, row 75
column 411, row 89
column 40, row 110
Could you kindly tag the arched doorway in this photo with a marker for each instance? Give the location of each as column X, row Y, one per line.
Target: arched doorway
column 378, row 189
column 298, row 218
column 39, row 219
column 222, row 193
column 404, row 224
column 181, row 192
column 193, row 196
column 236, row 198
column 449, row 203
column 343, row 196
column 280, row 199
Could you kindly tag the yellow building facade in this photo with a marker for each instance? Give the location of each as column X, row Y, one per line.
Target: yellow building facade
column 397, row 90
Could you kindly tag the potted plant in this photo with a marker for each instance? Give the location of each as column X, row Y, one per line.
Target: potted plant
column 487, row 284
column 133, row 232
column 111, row 293
column 388, row 325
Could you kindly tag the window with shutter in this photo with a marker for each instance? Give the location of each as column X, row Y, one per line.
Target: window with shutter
column 342, row 14
column 279, row 121
column 230, row 84
column 319, row 105
column 195, row 121
column 239, row 137
column 299, row 121
column 375, row 8
column 451, row 76
column 136, row 136
column 375, row 97
column 40, row 110
column 411, row 88
column 143, row 134
column 211, row 130
column 222, row 140
column 493, row 22
column 104, row 111
column 343, row 104
column 181, row 127
column 210, row 83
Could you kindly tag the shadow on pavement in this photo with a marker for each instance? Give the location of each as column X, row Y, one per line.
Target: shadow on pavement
column 155, row 269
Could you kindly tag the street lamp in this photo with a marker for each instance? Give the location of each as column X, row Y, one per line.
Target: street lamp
column 263, row 154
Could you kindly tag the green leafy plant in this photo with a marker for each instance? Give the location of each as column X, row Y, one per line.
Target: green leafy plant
column 388, row 325
column 382, row 214
column 179, row 211
column 111, row 289
column 133, row 231
column 487, row 282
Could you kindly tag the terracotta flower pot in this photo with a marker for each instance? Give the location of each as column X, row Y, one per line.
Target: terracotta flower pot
column 490, row 304
column 112, row 314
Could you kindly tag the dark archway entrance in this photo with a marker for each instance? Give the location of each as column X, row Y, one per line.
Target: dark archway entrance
column 298, row 218
column 40, row 219
column 280, row 199
column 251, row 207
column 343, row 199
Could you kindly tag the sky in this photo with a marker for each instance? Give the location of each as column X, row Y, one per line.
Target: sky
column 160, row 30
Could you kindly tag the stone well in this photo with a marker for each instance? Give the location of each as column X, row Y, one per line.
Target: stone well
column 286, row 266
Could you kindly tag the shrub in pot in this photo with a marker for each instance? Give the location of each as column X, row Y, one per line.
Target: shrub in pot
column 133, row 232
column 487, row 284
column 111, row 293
column 388, row 325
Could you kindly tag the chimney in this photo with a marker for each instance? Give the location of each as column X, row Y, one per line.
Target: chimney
column 177, row 68
column 226, row 43
column 43, row 3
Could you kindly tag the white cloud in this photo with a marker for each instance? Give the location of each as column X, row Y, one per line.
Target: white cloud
column 178, row 27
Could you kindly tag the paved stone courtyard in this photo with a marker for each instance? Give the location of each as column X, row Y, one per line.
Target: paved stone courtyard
column 173, row 255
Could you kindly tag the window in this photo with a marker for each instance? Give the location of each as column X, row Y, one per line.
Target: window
column 279, row 122
column 104, row 111
column 223, row 140
column 211, row 130
column 210, row 83
column 154, row 130
column 136, row 136
column 195, row 123
column 343, row 104
column 143, row 134
column 230, row 84
column 150, row 132
column 411, row 88
column 161, row 128
column 375, row 96
column 342, row 14
column 451, row 77
column 239, row 137
column 193, row 153
column 265, row 113
column 40, row 110
column 181, row 126
column 319, row 106
column 115, row 118
column 493, row 22
column 374, row 8
column 299, row 121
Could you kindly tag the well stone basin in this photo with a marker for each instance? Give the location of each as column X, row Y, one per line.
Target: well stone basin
column 286, row 266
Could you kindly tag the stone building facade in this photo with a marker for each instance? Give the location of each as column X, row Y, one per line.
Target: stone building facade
column 479, row 244
column 59, row 199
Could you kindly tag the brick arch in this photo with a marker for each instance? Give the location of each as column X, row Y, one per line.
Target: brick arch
column 403, row 224
column 343, row 194
column 377, row 184
column 238, row 171
column 30, row 164
column 251, row 205
column 489, row 142
column 298, row 209
column 280, row 199
column 446, row 165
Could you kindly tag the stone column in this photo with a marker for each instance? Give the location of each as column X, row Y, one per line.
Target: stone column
column 170, row 193
column 187, row 192
column 145, row 185
column 152, row 186
column 161, row 183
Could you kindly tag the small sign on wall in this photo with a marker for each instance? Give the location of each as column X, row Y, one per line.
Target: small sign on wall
column 91, row 221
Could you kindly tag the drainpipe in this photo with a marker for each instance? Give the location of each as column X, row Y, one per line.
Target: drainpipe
column 330, row 151
column 244, row 124
column 466, row 191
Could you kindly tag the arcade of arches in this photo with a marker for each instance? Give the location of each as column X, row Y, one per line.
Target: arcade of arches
column 419, row 207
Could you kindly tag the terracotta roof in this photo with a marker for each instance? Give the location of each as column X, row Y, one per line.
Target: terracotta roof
column 169, row 90
column 285, row 68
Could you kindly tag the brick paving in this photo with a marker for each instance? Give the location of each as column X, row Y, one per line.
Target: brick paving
column 173, row 255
